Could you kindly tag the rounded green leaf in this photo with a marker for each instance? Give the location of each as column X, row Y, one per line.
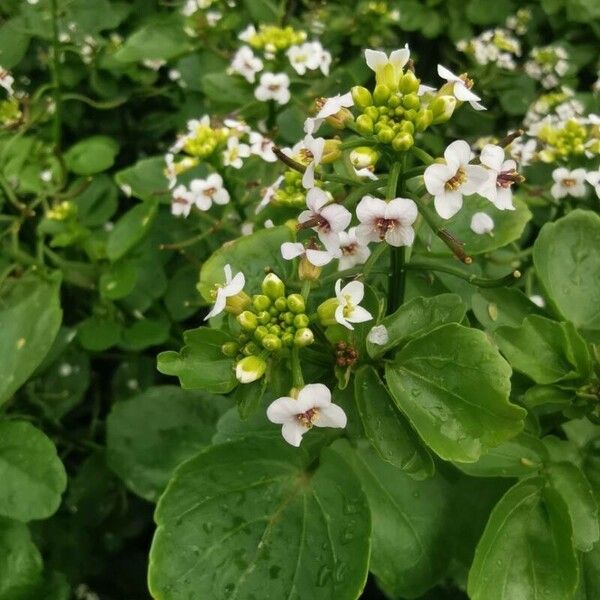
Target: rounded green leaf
column 33, row 477
column 387, row 429
column 91, row 155
column 130, row 229
column 567, row 262
column 149, row 435
column 495, row 307
column 526, row 550
column 248, row 520
column 145, row 179
column 454, row 387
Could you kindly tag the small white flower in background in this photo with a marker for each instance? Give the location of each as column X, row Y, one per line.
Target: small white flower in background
column 379, row 335
column 502, row 174
column 246, row 64
column 425, row 89
column 568, row 183
column 154, row 63
column 209, row 190
column 33, row 1
column 449, row 182
column 182, row 201
column 481, row 223
column 353, row 252
column 323, row 57
column 268, row 193
column 316, row 257
column 232, row 287
column 313, row 151
column 269, row 224
column 7, row 81
column 348, row 310
column 237, row 125
column 461, row 88
column 593, row 179
column 390, row 221
column 326, row 218
column 524, row 152
column 213, row 17
column 247, row 34
column 233, row 154
column 303, row 58
column 247, row 228
column 538, row 300
column 46, row 175
column 273, row 86
column 330, row 107
column 262, row 146
column 378, row 61
column 312, row 408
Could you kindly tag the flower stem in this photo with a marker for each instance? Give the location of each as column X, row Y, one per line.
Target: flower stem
column 397, row 255
column 473, row 279
column 423, row 156
column 297, row 378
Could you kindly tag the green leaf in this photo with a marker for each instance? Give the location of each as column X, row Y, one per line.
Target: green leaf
column 291, row 533
column 545, row 350
column 387, row 429
column 408, row 554
column 20, row 560
column 589, row 575
column 130, row 229
column 482, row 12
column 417, row 317
column 30, row 316
column 91, row 155
column 33, row 478
column 227, row 90
column 97, row 203
column 568, row 266
column 149, row 435
column 454, row 387
column 263, row 11
column 14, row 41
column 522, row 456
column 495, row 307
column 579, row 497
column 118, row 280
column 251, row 255
column 145, row 179
column 201, row 364
column 526, row 550
column 98, row 333
column 508, row 227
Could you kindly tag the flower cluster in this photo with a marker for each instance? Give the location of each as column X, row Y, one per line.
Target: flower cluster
column 10, row 111
column 548, row 64
column 493, row 46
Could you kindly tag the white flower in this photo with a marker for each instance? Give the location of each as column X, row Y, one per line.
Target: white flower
column 481, row 223
column 568, row 183
column 213, row 17
column 329, row 108
column 353, row 252
column 313, row 408
column 390, row 221
column 154, row 63
column 502, row 175
column 7, row 81
column 268, row 194
column 182, row 201
column 326, row 218
column 303, row 58
column 247, row 34
column 313, row 150
column 232, row 287
column 378, row 61
column 349, row 297
column 378, row 335
column 273, row 86
column 593, row 179
column 316, row 257
column 448, row 182
column 246, row 63
column 461, row 88
column 46, row 175
column 366, row 172
column 324, row 57
column 524, row 152
column 240, row 127
column 209, row 190
column 233, row 154
column 262, row 146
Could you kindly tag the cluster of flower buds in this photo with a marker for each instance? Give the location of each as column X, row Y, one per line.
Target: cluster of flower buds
column 290, row 191
column 548, row 64
column 568, row 140
column 271, row 38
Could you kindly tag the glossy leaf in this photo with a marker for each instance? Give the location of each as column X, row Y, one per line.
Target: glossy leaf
column 130, row 229
column 495, row 307
column 92, row 155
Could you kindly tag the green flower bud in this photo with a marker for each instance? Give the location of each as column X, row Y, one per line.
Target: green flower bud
column 424, row 119
column 361, row 96
column 388, row 75
column 271, row 342
column 287, row 317
column 326, row 311
column 409, row 83
column 281, row 304
column 364, row 125
column 410, row 114
column 250, row 369
column 264, row 317
column 442, row 108
column 402, row 142
column 236, row 304
column 407, row 127
column 364, row 156
column 308, row 271
column 383, row 110
column 399, row 111
column 260, row 332
column 411, row 101
column 247, row 320
column 230, row 349
column 394, row 101
column 331, row 151
column 303, row 337
column 250, row 348
column 274, row 329
column 381, row 93
column 273, row 287
column 295, row 302
column 385, row 135
column 301, row 321
column 287, row 339
column 261, row 302
column 273, row 311
column 372, row 112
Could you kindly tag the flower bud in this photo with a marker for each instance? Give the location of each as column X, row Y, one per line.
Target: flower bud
column 264, row 317
column 388, row 75
column 402, row 142
column 326, row 311
column 331, row 151
column 303, row 337
column 288, row 317
column 274, row 329
column 271, row 342
column 372, row 112
column 409, row 83
column 410, row 114
column 394, row 101
column 250, row 348
column 260, row 332
column 280, row 304
column 363, row 157
column 287, row 339
column 301, row 321
column 411, row 101
column 442, row 108
column 295, row 303
column 407, row 127
column 361, row 96
column 385, row 135
column 308, row 271
column 247, row 320
column 381, row 94
column 238, row 303
column 273, row 287
column 340, row 118
column 230, row 349
column 261, row 302
column 250, row 369
column 424, row 119
column 364, row 125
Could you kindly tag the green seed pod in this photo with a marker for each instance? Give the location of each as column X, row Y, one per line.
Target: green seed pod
column 381, row 94
column 280, row 304
column 411, row 101
column 361, row 96
column 372, row 112
column 304, row 337
column 264, row 317
column 301, row 321
column 364, row 125
column 385, row 135
column 271, row 342
column 230, row 349
column 247, row 320
column 261, row 302
column 273, row 287
column 409, row 83
column 402, row 142
column 295, row 302
column 260, row 332
column 424, row 119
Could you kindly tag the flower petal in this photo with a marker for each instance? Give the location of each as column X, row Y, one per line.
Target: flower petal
column 315, row 395
column 436, row 176
column 331, row 416
column 337, row 216
column 219, row 305
column 400, row 236
column 236, row 285
column 281, row 410
column 403, row 210
column 339, row 317
column 360, row 315
column 447, row 74
column 375, row 59
column 400, row 57
column 447, row 204
column 292, row 432
column 477, row 176
column 318, row 258
column 458, row 153
column 492, row 156
column 463, row 93
column 354, row 289
column 291, row 250
column 369, row 209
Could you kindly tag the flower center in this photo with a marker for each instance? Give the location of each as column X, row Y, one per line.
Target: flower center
column 210, row 192
column 382, row 226
column 350, row 249
column 306, row 155
column 274, row 87
column 308, row 418
column 468, row 82
column 506, row 178
column 569, row 182
column 348, row 306
column 455, row 182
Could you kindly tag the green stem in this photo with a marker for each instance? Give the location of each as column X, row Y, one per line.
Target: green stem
column 56, row 78
column 305, row 289
column 356, row 143
column 397, row 256
column 423, row 156
column 357, row 193
column 473, row 279
column 216, row 223
column 297, row 378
